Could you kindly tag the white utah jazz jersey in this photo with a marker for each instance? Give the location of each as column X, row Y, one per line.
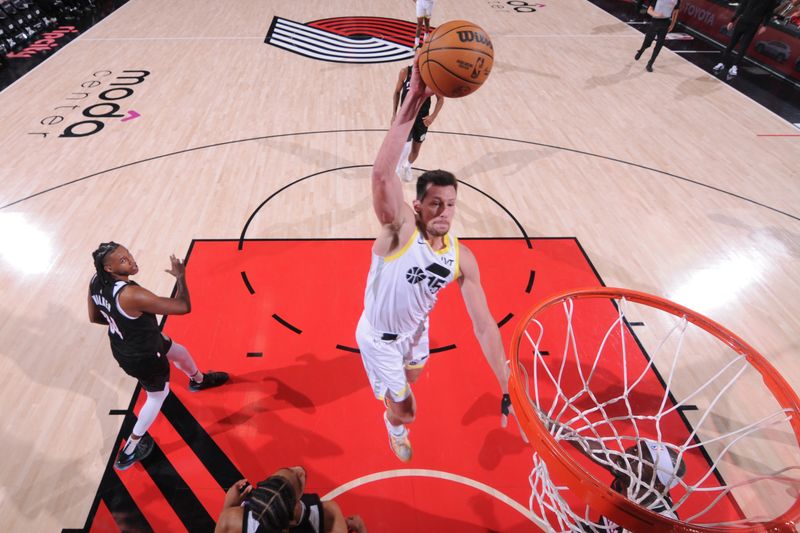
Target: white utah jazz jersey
column 402, row 288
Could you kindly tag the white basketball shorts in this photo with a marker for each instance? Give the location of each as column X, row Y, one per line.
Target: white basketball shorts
column 424, row 8
column 385, row 361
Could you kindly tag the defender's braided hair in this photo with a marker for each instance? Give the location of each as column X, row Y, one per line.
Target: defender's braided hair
column 99, row 257
column 272, row 503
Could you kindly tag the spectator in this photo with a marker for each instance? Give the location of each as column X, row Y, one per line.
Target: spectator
column 749, row 19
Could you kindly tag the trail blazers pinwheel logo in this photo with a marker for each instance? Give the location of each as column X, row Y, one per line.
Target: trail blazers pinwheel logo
column 345, row 39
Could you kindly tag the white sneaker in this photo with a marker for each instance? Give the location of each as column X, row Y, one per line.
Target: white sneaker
column 401, row 446
column 718, row 68
column 732, row 72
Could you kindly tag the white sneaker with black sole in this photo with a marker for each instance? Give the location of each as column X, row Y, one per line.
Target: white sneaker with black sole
column 732, row 72
column 718, row 68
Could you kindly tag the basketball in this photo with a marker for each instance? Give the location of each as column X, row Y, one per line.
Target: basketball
column 456, row 59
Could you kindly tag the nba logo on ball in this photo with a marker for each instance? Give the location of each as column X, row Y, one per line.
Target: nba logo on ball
column 456, row 59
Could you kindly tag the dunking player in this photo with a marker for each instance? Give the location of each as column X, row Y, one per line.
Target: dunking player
column 421, row 123
column 136, row 340
column 413, row 258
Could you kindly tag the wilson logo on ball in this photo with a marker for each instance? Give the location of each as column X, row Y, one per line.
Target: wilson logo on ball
column 474, row 37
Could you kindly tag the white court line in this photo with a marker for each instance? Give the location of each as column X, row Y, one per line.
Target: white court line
column 438, row 474
column 696, row 51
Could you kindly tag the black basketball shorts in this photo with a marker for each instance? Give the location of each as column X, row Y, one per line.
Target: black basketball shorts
column 152, row 371
column 418, row 131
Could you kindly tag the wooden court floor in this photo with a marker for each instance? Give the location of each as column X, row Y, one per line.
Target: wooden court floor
column 665, row 178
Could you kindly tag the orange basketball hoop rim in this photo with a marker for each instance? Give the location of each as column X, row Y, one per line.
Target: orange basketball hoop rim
column 601, row 497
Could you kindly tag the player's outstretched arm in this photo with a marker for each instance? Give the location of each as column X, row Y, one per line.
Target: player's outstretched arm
column 483, row 323
column 138, row 300
column 387, row 191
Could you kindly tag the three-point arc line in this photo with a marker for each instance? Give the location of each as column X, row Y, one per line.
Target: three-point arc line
column 505, row 320
column 286, row 324
column 247, row 282
column 347, row 348
column 530, row 281
column 443, row 348
column 438, row 474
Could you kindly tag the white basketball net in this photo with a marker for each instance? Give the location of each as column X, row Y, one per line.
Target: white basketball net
column 570, row 392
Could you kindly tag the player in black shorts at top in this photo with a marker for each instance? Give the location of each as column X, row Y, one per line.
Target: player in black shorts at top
column 420, row 128
column 137, row 343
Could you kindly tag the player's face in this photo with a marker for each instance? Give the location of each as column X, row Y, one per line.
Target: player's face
column 120, row 262
column 437, row 209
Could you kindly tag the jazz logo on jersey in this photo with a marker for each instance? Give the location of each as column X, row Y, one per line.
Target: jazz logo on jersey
column 435, row 274
column 345, row 39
